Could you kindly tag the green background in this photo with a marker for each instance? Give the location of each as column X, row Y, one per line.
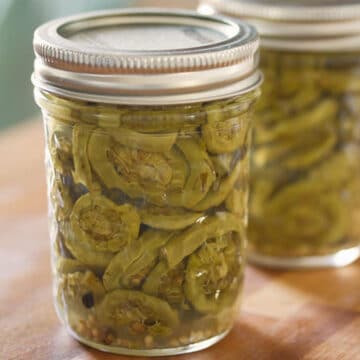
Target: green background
column 18, row 19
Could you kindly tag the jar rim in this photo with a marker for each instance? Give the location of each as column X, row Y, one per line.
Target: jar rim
column 115, row 55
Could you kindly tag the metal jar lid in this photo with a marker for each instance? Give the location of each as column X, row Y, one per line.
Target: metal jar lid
column 146, row 56
column 304, row 25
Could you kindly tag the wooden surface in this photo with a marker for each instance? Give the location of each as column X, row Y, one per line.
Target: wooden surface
column 285, row 315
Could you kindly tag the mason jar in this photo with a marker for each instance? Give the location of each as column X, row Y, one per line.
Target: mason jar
column 148, row 117
column 305, row 183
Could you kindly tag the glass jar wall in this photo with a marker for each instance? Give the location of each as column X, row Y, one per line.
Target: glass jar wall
column 305, row 177
column 148, row 209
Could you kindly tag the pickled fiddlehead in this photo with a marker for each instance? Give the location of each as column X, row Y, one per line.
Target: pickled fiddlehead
column 82, row 169
column 79, row 293
column 120, row 309
column 129, row 267
column 168, row 218
column 60, row 146
column 102, row 225
column 213, row 275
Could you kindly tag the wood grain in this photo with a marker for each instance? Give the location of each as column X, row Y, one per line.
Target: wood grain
column 284, row 316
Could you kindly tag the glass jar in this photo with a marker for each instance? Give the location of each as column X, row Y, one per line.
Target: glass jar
column 305, row 186
column 147, row 157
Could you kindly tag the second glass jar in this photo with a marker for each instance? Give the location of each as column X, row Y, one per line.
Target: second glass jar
column 305, row 176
